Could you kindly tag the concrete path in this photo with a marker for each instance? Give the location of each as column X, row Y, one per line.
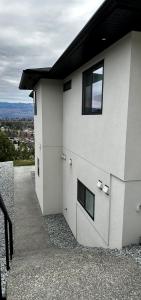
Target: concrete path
column 41, row 271
column 29, row 231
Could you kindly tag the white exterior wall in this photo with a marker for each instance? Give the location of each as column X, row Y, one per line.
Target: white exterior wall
column 38, row 129
column 100, row 146
column 101, row 139
column 78, row 220
column 133, row 142
column 116, row 212
column 52, row 146
column 132, row 218
column 48, row 136
column 96, row 144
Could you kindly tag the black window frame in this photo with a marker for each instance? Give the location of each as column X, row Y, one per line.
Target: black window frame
column 67, row 85
column 35, row 102
column 83, row 203
column 38, row 166
column 84, row 74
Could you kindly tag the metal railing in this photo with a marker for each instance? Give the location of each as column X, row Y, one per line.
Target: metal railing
column 8, row 231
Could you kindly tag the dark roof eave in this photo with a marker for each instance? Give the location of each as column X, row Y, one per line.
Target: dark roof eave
column 113, row 20
column 105, row 9
column 125, row 15
column 30, row 77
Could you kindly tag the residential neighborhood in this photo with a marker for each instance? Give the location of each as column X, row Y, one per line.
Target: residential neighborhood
column 20, row 134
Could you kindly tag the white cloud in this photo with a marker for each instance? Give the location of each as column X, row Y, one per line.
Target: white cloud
column 14, row 82
column 83, row 9
column 34, row 33
column 22, row 8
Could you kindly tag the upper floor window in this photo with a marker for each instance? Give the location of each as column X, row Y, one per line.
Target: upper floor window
column 67, row 86
column 35, row 102
column 92, row 94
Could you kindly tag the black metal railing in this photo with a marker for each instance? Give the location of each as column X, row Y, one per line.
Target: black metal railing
column 8, row 231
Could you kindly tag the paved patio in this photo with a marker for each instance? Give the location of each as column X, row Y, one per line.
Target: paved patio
column 43, row 270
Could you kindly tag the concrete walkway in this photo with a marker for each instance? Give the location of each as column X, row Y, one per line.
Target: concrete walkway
column 29, row 231
column 44, row 272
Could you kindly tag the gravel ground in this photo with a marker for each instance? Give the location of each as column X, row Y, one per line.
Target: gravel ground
column 62, row 237
column 73, row 275
column 7, row 192
column 59, row 232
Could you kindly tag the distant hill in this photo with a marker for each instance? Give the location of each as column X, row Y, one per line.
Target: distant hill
column 16, row 111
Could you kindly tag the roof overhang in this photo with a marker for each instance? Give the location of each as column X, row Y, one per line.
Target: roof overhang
column 113, row 20
column 31, row 76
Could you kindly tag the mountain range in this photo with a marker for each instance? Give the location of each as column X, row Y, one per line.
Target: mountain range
column 16, row 111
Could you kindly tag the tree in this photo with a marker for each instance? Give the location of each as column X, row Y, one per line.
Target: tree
column 23, row 151
column 7, row 149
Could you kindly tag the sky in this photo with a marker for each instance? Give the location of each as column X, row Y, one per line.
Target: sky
column 33, row 34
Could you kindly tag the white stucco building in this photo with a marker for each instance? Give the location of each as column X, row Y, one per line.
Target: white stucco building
column 88, row 129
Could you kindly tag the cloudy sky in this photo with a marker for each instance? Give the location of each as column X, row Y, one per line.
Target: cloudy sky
column 34, row 33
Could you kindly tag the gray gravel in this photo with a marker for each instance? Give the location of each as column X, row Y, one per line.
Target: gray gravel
column 61, row 236
column 74, row 275
column 7, row 192
column 59, row 232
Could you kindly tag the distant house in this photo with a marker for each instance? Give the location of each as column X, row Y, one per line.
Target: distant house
column 88, row 129
column 2, row 129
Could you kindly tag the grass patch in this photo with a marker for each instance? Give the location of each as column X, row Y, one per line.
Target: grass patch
column 18, row 163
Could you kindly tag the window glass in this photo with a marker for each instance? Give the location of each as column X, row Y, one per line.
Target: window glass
column 67, row 86
column 35, row 102
column 90, row 203
column 97, row 89
column 93, row 90
column 88, row 101
column 86, row 198
column 81, row 193
column 38, row 166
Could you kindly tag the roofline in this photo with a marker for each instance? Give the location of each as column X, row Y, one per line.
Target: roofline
column 36, row 73
column 73, row 57
column 106, row 7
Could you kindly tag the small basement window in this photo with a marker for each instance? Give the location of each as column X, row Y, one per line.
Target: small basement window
column 86, row 198
column 92, row 93
column 67, row 86
column 35, row 102
column 38, row 166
